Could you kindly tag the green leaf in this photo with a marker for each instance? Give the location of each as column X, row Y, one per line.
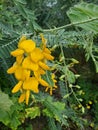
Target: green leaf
column 84, row 15
column 4, row 117
column 67, row 95
column 22, row 1
column 46, row 112
column 7, row 45
column 96, row 65
column 28, row 15
column 52, row 124
column 60, row 108
column 55, row 110
column 71, row 77
column 10, row 114
column 32, row 112
column 69, row 74
column 14, row 122
column 5, row 102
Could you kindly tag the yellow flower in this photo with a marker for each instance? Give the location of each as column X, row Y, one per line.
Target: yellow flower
column 36, row 55
column 21, row 73
column 53, row 78
column 39, row 72
column 27, row 73
column 23, row 38
column 43, row 82
column 22, row 97
column 43, row 65
column 28, row 64
column 46, row 51
column 44, row 41
column 29, row 67
column 27, row 45
column 51, row 88
column 48, row 56
column 17, row 52
column 12, row 69
column 48, row 86
column 17, row 87
column 19, row 59
column 27, row 96
column 31, row 84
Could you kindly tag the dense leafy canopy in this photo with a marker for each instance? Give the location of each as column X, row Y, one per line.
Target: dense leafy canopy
column 71, row 31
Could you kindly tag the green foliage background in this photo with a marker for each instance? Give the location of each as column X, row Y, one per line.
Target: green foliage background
column 71, row 28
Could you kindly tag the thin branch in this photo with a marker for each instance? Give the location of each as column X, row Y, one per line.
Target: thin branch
column 68, row 25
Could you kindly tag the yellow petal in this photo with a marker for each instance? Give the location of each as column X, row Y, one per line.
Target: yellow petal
column 27, row 96
column 53, row 78
column 20, row 73
column 55, row 86
column 22, row 98
column 46, row 50
column 27, row 45
column 43, row 82
column 31, row 84
column 50, row 91
column 44, row 41
column 36, row 74
column 12, row 69
column 53, row 75
column 19, row 59
column 28, row 64
column 17, row 87
column 36, row 55
column 46, row 89
column 43, row 66
column 23, row 38
column 48, row 56
column 27, row 73
column 41, row 71
column 17, row 52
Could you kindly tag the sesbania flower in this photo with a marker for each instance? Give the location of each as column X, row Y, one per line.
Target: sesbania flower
column 46, row 51
column 50, row 86
column 30, row 65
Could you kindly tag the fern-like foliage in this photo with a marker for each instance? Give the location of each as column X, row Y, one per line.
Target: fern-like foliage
column 65, row 37
column 55, row 110
column 6, row 46
column 86, row 15
column 51, row 124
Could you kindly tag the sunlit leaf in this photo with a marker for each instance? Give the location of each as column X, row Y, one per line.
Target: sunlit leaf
column 33, row 112
column 5, row 102
column 86, row 15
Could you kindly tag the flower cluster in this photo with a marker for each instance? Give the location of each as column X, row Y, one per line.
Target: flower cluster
column 30, row 65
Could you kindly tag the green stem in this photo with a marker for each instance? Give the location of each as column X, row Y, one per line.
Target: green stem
column 68, row 25
column 75, row 96
column 62, row 52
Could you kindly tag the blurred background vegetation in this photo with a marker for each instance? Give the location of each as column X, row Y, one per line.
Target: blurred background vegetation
column 45, row 13
column 32, row 17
